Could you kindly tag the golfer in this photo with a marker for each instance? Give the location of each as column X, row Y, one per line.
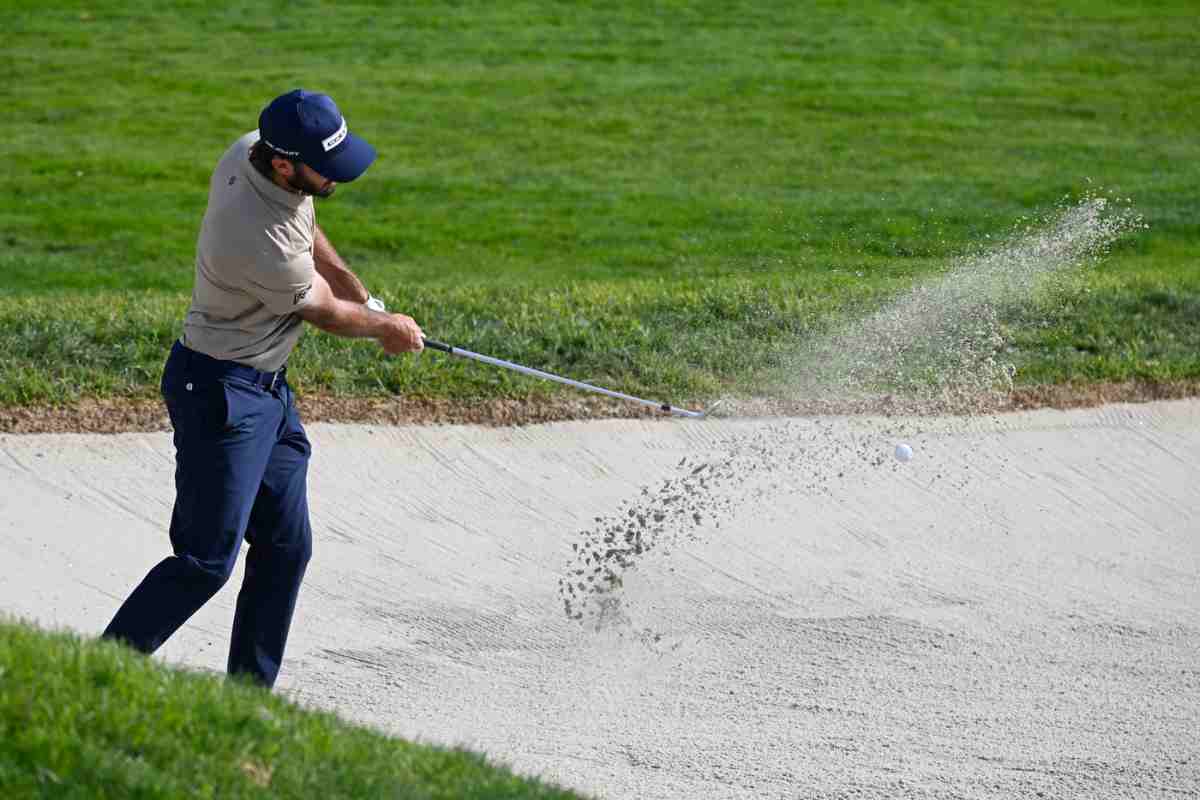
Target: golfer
column 263, row 269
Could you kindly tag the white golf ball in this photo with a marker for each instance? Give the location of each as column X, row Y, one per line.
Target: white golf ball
column 903, row 452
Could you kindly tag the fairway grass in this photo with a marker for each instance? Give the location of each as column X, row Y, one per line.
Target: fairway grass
column 660, row 198
column 88, row 719
column 675, row 341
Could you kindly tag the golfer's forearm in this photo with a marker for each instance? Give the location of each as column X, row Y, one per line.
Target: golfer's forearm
column 347, row 318
column 344, row 284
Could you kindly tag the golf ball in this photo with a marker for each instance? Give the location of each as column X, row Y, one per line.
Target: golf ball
column 903, row 452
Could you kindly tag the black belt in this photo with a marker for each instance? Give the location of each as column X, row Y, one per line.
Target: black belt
column 200, row 363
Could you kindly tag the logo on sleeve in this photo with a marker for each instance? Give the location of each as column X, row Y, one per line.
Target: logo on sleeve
column 300, row 295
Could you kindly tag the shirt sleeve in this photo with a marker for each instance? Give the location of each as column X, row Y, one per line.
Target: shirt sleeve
column 282, row 282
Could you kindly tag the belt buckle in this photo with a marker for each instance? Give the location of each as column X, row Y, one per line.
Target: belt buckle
column 274, row 380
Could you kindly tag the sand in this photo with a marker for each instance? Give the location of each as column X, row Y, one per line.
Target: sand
column 1014, row 612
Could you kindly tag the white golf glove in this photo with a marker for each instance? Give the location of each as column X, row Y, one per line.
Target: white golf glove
column 375, row 304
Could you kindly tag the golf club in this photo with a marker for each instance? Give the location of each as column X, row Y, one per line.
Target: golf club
column 537, row 373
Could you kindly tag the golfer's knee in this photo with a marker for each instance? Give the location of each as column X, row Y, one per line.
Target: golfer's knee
column 208, row 576
column 304, row 554
column 290, row 559
column 298, row 551
column 297, row 556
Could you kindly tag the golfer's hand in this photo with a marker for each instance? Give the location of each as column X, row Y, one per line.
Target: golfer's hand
column 403, row 336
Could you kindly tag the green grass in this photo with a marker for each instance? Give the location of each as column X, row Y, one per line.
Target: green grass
column 653, row 196
column 85, row 719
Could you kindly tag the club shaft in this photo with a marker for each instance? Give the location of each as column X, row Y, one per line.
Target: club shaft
column 549, row 376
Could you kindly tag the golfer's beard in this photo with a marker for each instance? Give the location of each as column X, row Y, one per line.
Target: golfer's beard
column 302, row 184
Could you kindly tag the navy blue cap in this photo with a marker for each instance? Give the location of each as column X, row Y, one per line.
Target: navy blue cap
column 308, row 127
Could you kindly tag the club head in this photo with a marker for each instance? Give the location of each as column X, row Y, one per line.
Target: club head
column 683, row 412
column 710, row 409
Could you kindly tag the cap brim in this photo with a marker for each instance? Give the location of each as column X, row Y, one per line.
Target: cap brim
column 348, row 161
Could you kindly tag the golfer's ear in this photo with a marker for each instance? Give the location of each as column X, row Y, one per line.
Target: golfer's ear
column 283, row 166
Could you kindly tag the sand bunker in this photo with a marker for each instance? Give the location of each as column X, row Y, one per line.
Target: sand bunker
column 1015, row 611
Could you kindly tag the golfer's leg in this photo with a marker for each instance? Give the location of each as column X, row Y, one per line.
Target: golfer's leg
column 280, row 540
column 217, row 475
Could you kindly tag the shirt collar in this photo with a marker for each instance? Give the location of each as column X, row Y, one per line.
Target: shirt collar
column 268, row 188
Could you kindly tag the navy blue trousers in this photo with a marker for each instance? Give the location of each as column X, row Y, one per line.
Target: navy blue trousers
column 241, row 467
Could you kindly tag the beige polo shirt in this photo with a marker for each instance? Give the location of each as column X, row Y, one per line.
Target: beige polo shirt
column 254, row 266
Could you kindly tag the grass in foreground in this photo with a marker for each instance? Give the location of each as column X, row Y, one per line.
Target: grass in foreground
column 85, row 719
column 653, row 196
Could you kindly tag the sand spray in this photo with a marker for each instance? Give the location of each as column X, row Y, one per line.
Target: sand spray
column 941, row 348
